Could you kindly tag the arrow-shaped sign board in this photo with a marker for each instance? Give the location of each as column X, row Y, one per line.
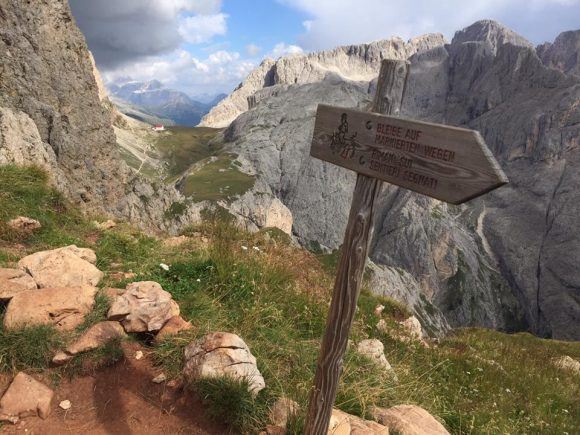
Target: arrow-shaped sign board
column 447, row 163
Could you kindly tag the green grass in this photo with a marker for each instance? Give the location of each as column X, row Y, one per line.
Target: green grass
column 276, row 298
column 24, row 191
column 183, row 146
column 217, row 180
column 30, row 348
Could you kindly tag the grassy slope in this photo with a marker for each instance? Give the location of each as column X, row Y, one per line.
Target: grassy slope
column 477, row 381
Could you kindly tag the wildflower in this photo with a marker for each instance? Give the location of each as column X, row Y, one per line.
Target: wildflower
column 198, row 280
column 164, row 266
column 507, row 390
column 256, row 248
column 245, row 248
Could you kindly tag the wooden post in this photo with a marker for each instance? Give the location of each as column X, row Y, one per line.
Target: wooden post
column 388, row 97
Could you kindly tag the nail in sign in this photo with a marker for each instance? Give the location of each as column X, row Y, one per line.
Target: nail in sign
column 447, row 163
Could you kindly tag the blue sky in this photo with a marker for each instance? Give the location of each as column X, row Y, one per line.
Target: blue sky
column 209, row 46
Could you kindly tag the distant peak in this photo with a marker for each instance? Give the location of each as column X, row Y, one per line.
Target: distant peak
column 491, row 31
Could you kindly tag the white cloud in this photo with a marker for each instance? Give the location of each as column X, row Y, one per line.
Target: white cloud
column 219, row 72
column 253, row 50
column 336, row 22
column 202, row 28
column 283, row 49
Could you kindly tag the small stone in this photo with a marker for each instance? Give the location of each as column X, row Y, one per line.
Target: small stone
column 174, row 383
column 159, row 378
column 379, row 310
column 24, row 224
column 111, row 293
column 164, row 266
column 374, row 350
column 138, row 355
column 65, row 404
column 413, row 327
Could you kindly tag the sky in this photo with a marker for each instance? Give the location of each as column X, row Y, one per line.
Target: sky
column 209, row 46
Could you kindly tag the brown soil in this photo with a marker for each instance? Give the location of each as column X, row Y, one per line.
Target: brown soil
column 121, row 400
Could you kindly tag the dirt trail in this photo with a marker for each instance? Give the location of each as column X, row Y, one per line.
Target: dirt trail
column 121, row 400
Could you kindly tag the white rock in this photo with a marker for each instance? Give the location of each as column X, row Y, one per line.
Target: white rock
column 23, row 223
column 222, row 354
column 413, row 327
column 138, row 355
column 143, row 307
column 379, row 310
column 159, row 378
column 65, row 404
column 374, row 350
column 567, row 363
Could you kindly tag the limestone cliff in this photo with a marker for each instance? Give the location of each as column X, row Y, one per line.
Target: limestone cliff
column 504, row 261
column 352, row 62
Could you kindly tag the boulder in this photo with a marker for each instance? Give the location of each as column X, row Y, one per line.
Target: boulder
column 13, row 281
column 63, row 307
column 342, row 423
column 96, row 336
column 375, row 351
column 408, row 420
column 64, row 267
column 144, row 306
column 567, row 363
column 24, row 224
column 173, row 326
column 25, row 397
column 282, row 410
column 222, row 354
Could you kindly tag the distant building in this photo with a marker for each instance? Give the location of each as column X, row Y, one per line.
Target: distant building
column 159, row 127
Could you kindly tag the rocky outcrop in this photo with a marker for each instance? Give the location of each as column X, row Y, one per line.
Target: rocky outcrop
column 505, row 260
column 143, row 307
column 353, row 62
column 222, row 354
column 25, row 397
column 563, row 54
column 64, row 308
column 374, row 350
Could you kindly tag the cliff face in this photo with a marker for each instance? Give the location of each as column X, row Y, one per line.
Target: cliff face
column 353, row 62
column 502, row 261
column 35, row 43
column 54, row 113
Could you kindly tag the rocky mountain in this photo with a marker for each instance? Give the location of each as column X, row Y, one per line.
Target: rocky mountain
column 353, row 63
column 507, row 260
column 61, row 119
column 153, row 98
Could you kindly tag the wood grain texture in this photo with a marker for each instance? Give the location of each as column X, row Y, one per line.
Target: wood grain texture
column 392, row 81
column 448, row 163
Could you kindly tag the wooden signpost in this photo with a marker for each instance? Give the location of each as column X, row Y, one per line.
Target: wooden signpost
column 448, row 163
